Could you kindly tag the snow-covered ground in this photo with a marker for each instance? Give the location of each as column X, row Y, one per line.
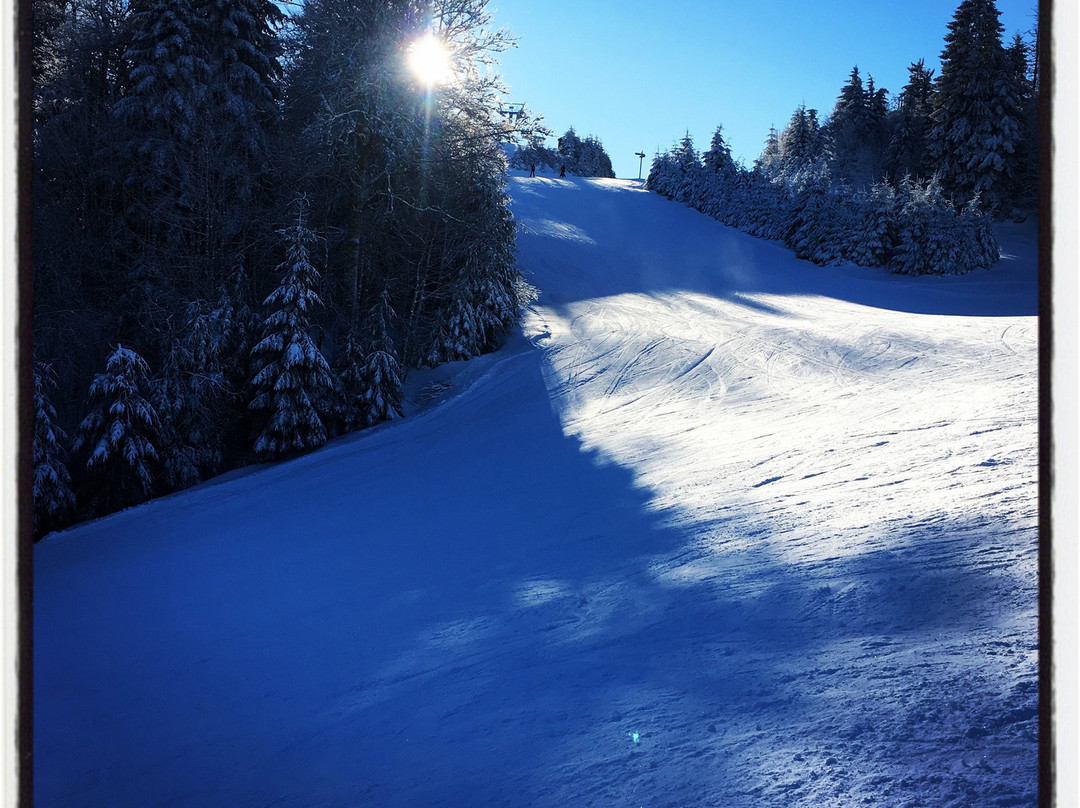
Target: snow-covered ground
column 719, row 528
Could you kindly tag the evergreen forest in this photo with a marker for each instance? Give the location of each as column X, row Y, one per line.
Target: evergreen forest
column 248, row 226
column 913, row 185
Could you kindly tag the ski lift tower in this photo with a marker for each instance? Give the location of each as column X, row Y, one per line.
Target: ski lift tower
column 513, row 111
column 641, row 162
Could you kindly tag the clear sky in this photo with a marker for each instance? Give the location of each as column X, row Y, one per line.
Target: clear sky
column 639, row 74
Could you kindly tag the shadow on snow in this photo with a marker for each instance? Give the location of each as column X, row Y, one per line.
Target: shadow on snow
column 465, row 609
column 625, row 237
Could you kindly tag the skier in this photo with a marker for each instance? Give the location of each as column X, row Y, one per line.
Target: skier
column 532, row 169
column 562, row 170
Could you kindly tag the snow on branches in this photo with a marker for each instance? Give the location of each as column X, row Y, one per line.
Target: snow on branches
column 292, row 382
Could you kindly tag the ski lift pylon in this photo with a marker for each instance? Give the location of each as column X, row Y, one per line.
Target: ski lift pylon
column 513, row 109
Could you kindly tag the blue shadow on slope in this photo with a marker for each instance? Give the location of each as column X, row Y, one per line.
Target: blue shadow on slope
column 464, row 609
column 633, row 241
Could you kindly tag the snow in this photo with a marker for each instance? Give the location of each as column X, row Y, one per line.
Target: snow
column 718, row 527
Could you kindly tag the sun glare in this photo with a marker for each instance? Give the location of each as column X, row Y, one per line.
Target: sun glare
column 429, row 60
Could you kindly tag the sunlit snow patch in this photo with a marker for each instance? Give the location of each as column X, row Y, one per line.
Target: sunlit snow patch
column 560, row 230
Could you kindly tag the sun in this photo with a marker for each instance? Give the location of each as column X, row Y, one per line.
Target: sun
column 429, row 60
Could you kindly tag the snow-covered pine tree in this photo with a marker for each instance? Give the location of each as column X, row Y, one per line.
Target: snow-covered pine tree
column 930, row 238
column 851, row 103
column 769, row 164
column 191, row 397
column 718, row 179
column 243, row 54
column 381, row 386
column 54, row 500
column 292, row 382
column 661, row 174
column 873, row 237
column 491, row 262
column 593, row 159
column 1024, row 193
column 349, row 365
column 977, row 110
column 167, row 78
column 584, row 158
column 458, row 332
column 766, row 208
column 568, row 147
column 718, row 157
column 977, row 232
column 906, row 150
column 118, row 445
column 688, row 172
column 856, row 132
column 160, row 114
column 817, row 229
column 483, row 307
column 799, row 143
column 737, row 194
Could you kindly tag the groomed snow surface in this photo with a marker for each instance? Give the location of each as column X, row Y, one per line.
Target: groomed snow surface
column 719, row 528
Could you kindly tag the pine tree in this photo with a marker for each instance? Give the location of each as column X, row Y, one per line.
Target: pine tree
column 584, row 158
column 1023, row 84
column 906, row 151
column 166, row 81
column 719, row 179
column 770, row 163
column 874, row 236
column 568, row 146
column 201, row 92
column 976, row 121
column 292, row 381
column 856, row 132
column 933, row 237
column 718, row 158
column 689, row 171
column 191, row 397
column 851, row 102
column 658, row 178
column 161, row 112
column 819, row 223
column 54, row 500
column 352, row 408
column 799, row 143
column 767, row 207
column 243, row 55
column 118, row 445
column 381, row 385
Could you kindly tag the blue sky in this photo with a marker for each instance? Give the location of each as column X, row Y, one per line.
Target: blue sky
column 639, row 74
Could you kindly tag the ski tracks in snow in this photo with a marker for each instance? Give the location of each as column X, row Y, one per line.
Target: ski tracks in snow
column 863, row 479
column 715, row 532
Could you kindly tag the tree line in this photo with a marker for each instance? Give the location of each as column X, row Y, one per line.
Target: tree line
column 581, row 157
column 913, row 185
column 248, row 227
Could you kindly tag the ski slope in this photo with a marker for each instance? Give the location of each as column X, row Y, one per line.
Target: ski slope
column 718, row 528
